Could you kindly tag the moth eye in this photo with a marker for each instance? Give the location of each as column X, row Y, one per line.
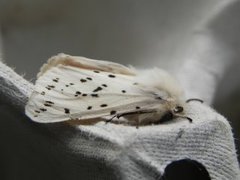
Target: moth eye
column 178, row 109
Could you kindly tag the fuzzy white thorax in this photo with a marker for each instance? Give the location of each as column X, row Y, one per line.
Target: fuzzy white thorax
column 162, row 81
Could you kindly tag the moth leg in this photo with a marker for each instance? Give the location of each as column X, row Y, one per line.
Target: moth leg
column 185, row 117
column 194, row 99
column 117, row 116
column 134, row 122
column 130, row 113
column 122, row 123
column 134, row 113
column 109, row 120
column 138, row 122
column 71, row 118
column 77, row 122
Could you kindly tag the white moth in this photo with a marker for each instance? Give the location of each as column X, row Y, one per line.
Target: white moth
column 77, row 88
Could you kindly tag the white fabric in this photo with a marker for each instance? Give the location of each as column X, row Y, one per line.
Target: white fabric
column 133, row 153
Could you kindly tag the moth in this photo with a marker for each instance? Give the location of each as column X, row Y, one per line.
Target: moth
column 72, row 88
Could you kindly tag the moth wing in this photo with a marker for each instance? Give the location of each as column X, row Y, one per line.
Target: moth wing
column 68, row 92
column 85, row 63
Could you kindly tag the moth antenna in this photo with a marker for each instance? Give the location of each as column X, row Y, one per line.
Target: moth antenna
column 194, row 99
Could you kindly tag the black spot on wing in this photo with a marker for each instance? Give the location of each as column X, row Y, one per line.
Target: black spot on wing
column 50, row 87
column 56, row 80
column 103, row 105
column 94, row 95
column 104, row 85
column 96, row 71
column 43, row 109
column 43, row 93
column 97, row 89
column 137, row 107
column 88, row 78
column 36, row 111
column 84, row 94
column 123, row 91
column 111, row 76
column 70, row 84
column 83, row 80
column 77, row 93
column 49, row 102
column 66, row 110
column 113, row 112
column 89, row 107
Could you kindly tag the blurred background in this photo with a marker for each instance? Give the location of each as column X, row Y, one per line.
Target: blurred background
column 137, row 32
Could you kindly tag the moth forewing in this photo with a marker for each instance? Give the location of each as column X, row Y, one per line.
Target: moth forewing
column 76, row 88
column 85, row 63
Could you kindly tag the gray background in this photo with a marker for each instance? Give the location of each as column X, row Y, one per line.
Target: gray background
column 138, row 32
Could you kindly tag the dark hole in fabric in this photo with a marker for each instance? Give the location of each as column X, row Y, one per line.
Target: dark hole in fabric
column 185, row 169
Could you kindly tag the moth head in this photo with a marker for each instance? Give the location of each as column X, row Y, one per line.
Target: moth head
column 175, row 106
column 177, row 109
